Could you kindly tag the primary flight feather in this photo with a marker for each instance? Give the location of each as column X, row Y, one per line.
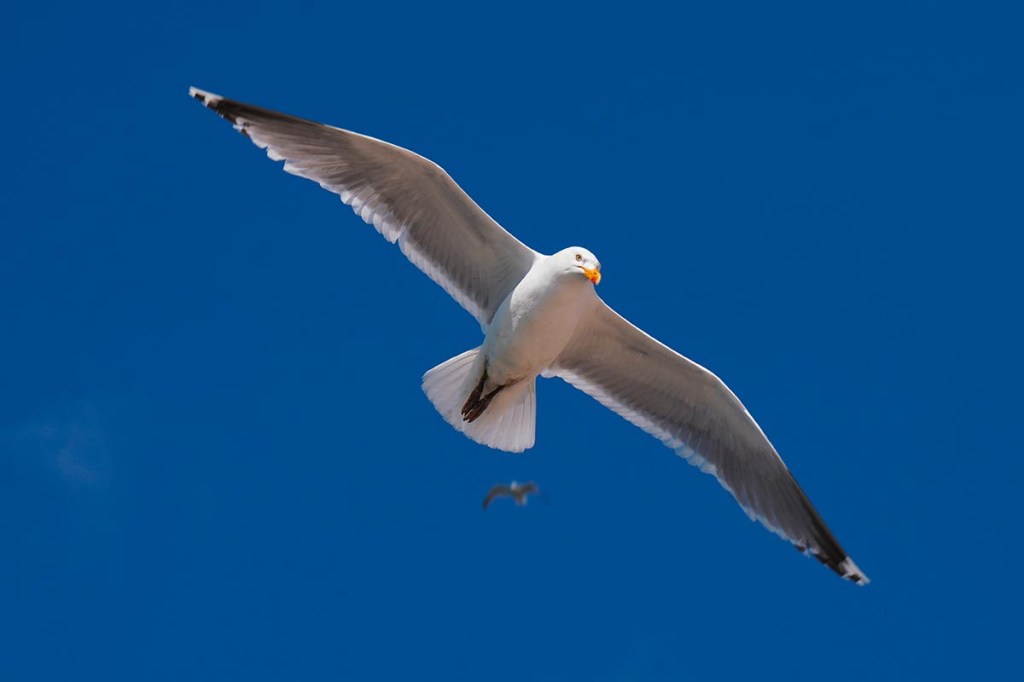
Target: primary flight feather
column 540, row 316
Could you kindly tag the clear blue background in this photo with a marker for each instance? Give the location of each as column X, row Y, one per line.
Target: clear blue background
column 215, row 458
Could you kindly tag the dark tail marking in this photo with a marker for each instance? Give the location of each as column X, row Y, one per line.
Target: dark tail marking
column 478, row 401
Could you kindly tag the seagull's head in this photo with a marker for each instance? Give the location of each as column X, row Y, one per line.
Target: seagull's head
column 578, row 261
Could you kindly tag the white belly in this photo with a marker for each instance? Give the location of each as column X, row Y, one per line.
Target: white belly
column 533, row 325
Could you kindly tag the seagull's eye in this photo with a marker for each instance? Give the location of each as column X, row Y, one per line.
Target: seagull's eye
column 579, row 257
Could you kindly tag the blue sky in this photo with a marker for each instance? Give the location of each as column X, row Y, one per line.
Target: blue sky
column 215, row 458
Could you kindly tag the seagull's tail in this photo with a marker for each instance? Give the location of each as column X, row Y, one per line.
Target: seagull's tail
column 508, row 423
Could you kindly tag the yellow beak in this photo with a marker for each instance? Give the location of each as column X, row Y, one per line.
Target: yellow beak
column 593, row 275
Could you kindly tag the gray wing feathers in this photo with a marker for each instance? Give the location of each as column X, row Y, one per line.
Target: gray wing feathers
column 410, row 200
column 693, row 412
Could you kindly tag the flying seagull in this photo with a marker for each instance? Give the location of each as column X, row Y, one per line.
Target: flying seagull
column 519, row 491
column 540, row 316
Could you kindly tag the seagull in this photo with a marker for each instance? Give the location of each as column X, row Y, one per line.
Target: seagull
column 519, row 491
column 540, row 316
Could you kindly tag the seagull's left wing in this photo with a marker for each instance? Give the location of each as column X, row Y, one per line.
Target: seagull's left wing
column 407, row 198
column 693, row 412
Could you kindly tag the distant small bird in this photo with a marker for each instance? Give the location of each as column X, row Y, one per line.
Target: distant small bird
column 519, row 491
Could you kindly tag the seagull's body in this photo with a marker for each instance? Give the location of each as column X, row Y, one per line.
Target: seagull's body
column 494, row 386
column 540, row 315
column 535, row 323
column 517, row 491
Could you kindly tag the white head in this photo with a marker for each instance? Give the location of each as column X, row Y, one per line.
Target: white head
column 579, row 262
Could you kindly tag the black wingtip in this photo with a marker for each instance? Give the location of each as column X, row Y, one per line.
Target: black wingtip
column 224, row 108
column 208, row 99
column 243, row 115
column 845, row 568
column 201, row 95
column 851, row 572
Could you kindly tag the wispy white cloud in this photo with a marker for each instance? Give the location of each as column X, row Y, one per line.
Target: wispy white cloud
column 73, row 441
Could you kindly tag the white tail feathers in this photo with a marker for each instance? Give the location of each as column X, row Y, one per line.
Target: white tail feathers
column 508, row 423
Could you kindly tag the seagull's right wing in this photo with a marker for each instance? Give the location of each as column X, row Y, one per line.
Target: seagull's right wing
column 407, row 198
column 693, row 412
